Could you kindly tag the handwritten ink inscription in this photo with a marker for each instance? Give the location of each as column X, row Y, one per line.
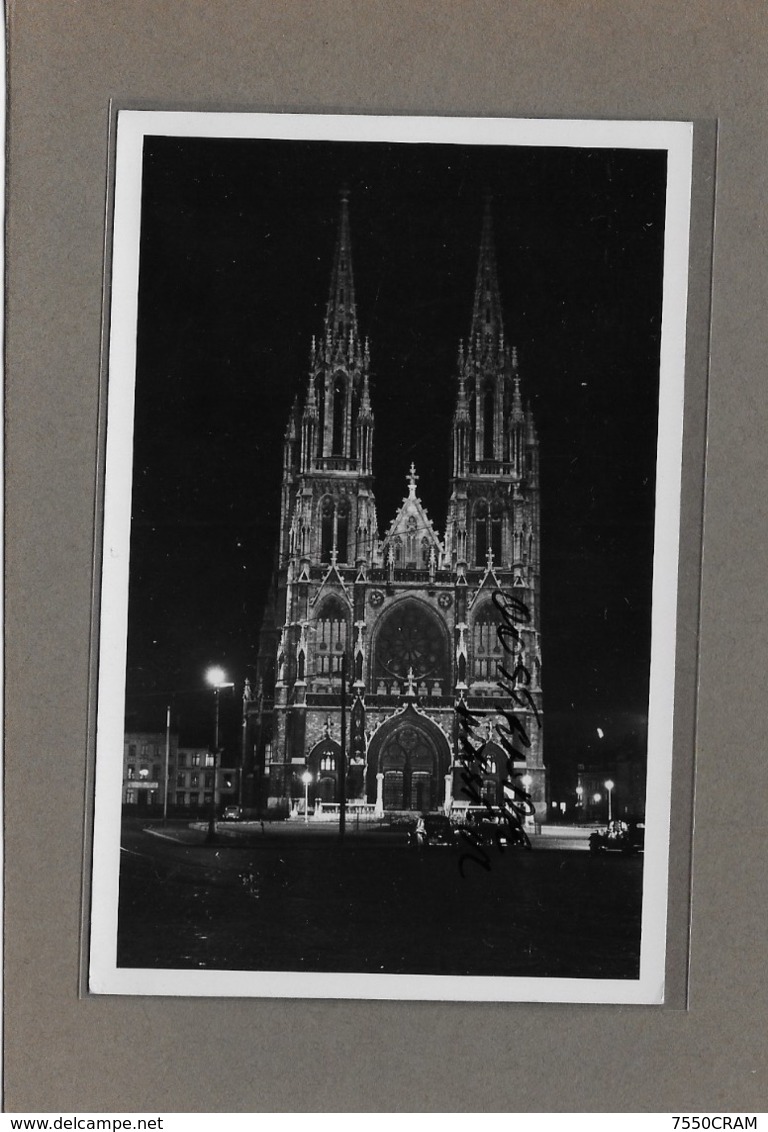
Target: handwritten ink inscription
column 511, row 736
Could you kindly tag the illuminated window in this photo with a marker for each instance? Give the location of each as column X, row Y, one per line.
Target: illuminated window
column 330, row 639
column 488, row 651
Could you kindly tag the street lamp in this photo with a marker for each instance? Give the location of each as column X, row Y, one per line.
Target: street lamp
column 306, row 778
column 527, row 783
column 609, row 785
column 580, row 801
column 217, row 678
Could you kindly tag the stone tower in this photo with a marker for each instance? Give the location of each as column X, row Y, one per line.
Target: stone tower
column 412, row 615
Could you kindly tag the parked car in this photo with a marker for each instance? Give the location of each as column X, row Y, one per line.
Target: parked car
column 232, row 813
column 433, row 831
column 493, row 827
column 619, row 837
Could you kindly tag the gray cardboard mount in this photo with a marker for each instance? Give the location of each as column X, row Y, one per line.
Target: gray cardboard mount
column 67, row 1051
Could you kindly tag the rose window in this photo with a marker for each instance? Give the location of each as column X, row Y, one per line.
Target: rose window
column 411, row 640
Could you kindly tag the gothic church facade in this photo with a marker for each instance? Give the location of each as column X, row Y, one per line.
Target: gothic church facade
column 405, row 618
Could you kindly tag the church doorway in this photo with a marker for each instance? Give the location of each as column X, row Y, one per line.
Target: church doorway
column 323, row 763
column 411, row 755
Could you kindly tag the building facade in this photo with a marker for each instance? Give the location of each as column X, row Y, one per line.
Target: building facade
column 144, row 767
column 193, row 780
column 382, row 634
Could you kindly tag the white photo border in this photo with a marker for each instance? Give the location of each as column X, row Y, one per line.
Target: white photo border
column 676, row 138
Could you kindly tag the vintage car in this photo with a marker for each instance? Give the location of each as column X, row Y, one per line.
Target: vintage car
column 232, row 813
column 486, row 826
column 433, row 831
column 619, row 837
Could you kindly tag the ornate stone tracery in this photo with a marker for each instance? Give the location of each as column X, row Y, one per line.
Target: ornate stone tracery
column 405, row 623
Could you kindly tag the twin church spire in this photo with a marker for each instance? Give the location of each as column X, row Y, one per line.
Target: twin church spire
column 487, row 332
column 341, row 333
column 337, row 422
column 329, row 444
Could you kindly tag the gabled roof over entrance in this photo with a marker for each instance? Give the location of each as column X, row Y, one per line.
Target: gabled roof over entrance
column 412, row 526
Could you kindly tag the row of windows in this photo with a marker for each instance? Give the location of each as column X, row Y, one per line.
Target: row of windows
column 410, row 551
column 195, row 759
column 194, row 779
column 181, row 798
column 149, row 797
column 193, row 799
column 152, row 750
column 148, row 750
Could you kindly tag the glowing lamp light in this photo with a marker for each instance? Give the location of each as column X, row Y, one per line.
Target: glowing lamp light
column 306, row 778
column 216, row 676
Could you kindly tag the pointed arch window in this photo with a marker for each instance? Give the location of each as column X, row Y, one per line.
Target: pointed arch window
column 489, row 532
column 488, row 415
column 320, row 398
column 410, row 542
column 334, row 528
column 411, row 638
column 339, row 398
column 497, row 529
column 353, row 430
column 487, row 650
column 342, row 530
column 481, row 533
column 330, row 639
column 326, row 529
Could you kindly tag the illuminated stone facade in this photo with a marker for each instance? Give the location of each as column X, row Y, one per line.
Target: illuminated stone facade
column 411, row 614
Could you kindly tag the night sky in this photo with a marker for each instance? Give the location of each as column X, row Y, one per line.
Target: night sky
column 236, row 253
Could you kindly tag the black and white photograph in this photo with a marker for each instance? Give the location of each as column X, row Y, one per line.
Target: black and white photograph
column 389, row 562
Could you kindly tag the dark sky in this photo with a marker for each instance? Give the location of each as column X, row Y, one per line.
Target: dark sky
column 237, row 244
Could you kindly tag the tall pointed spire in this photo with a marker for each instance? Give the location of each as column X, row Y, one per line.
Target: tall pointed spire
column 341, row 310
column 487, row 322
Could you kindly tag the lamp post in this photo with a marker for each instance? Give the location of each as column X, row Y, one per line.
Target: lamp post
column 527, row 783
column 217, row 678
column 609, row 785
column 306, row 778
column 167, row 759
column 580, row 801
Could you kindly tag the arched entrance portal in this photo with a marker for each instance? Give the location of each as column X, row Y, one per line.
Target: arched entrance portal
column 408, row 759
column 323, row 764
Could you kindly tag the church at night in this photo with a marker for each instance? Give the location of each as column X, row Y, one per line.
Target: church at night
column 377, row 627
